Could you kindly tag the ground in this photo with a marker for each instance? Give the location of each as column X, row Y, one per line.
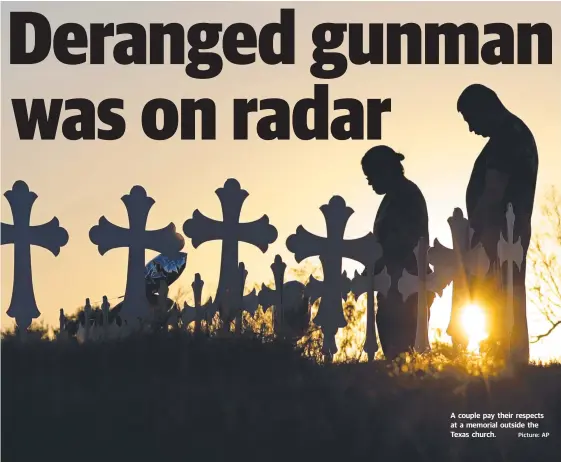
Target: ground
column 176, row 397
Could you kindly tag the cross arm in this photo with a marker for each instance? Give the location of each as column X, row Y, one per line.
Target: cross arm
column 441, row 256
column 510, row 252
column 360, row 284
column 250, row 302
column 345, row 285
column 315, row 289
column 188, row 314
column 259, row 233
column 407, row 285
column 436, row 282
column 202, row 229
column 209, row 309
column 268, row 297
column 50, row 236
column 7, row 233
column 108, row 236
column 382, row 281
column 477, row 262
column 304, row 244
column 165, row 240
column 365, row 250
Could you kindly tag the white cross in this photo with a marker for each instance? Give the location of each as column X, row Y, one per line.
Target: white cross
column 249, row 302
column 83, row 334
column 283, row 297
column 62, row 325
column 369, row 284
column 198, row 312
column 108, row 236
column 105, row 307
column 231, row 232
column 409, row 284
column 331, row 250
column 511, row 252
column 453, row 265
column 50, row 236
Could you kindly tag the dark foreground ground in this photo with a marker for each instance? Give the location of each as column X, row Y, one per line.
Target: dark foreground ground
column 181, row 399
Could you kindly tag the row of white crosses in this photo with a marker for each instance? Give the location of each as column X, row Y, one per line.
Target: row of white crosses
column 454, row 265
column 197, row 313
column 450, row 265
column 230, row 301
column 458, row 263
column 89, row 332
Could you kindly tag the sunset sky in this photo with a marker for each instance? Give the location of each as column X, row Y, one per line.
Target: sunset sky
column 79, row 181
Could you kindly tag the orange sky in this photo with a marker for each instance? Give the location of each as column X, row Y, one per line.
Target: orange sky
column 288, row 180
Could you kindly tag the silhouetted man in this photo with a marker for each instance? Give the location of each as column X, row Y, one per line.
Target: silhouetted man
column 401, row 221
column 505, row 172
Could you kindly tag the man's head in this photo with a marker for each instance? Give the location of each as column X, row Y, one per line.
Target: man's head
column 481, row 108
column 382, row 167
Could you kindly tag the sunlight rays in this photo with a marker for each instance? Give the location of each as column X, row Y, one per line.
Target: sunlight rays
column 474, row 323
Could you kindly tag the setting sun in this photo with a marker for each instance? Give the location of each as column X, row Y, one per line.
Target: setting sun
column 474, row 324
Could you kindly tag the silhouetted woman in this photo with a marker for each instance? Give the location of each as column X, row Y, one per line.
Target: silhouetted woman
column 401, row 221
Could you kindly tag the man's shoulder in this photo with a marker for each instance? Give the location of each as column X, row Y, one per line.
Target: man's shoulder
column 412, row 187
column 515, row 133
column 410, row 190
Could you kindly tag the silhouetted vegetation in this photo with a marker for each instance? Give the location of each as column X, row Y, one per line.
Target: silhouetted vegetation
column 178, row 396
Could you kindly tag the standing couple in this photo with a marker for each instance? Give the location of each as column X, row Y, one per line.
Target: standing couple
column 504, row 172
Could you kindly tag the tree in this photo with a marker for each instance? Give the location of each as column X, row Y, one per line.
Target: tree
column 544, row 257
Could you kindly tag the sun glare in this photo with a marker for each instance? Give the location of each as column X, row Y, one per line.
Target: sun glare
column 474, row 324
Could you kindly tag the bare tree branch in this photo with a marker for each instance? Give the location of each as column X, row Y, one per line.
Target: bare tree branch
column 546, row 266
column 539, row 337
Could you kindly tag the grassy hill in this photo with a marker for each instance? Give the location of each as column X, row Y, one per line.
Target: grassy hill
column 176, row 397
